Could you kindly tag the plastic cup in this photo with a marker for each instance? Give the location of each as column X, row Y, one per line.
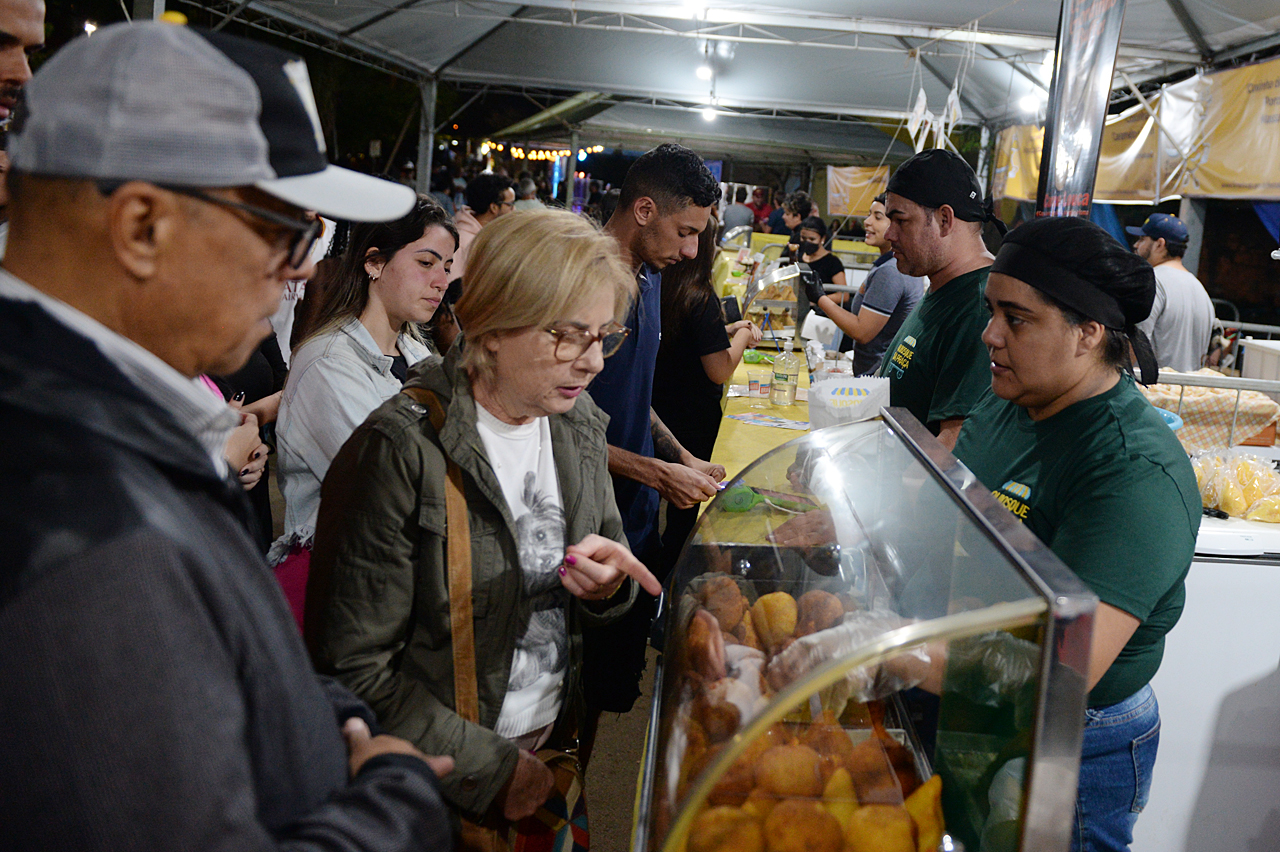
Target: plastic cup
column 759, row 383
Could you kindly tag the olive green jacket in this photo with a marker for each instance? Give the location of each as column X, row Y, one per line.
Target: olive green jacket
column 378, row 602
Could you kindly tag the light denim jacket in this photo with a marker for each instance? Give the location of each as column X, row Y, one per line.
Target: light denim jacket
column 335, row 381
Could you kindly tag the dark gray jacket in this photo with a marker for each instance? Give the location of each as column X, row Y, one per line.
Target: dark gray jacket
column 381, row 623
column 154, row 693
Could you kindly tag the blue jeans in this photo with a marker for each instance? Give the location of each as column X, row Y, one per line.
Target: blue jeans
column 1119, row 754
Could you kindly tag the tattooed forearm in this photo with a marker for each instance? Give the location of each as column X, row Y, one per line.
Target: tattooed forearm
column 665, row 445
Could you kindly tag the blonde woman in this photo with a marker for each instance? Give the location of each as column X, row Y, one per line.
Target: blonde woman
column 392, row 277
column 539, row 315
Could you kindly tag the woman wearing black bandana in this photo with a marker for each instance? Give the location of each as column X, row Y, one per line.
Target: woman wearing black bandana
column 1067, row 442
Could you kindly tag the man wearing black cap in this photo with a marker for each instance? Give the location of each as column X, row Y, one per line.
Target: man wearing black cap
column 1181, row 321
column 937, row 362
column 154, row 691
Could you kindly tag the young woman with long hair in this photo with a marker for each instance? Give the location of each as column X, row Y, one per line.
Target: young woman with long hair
column 391, row 278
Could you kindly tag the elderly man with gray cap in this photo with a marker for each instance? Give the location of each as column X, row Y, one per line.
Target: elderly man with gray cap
column 1181, row 323
column 937, row 362
column 154, row 691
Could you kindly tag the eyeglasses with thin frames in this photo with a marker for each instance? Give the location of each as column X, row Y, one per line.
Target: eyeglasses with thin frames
column 571, row 343
column 303, row 233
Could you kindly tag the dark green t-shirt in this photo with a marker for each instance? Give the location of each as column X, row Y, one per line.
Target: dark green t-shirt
column 1106, row 485
column 937, row 364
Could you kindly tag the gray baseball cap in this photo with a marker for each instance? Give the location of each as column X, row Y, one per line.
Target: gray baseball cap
column 176, row 106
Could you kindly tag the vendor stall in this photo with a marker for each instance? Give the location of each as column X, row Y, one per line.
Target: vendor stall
column 1217, row 779
column 1218, row 772
column 750, row 427
column 836, row 579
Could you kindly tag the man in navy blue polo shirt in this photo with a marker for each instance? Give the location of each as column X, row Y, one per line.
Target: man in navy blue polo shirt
column 665, row 203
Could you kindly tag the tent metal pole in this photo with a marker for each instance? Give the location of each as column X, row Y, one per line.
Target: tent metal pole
column 569, row 172
column 1151, row 112
column 426, row 133
column 942, row 78
column 230, row 16
column 457, row 112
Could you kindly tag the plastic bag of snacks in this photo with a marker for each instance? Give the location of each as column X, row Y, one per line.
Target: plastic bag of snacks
column 1242, row 485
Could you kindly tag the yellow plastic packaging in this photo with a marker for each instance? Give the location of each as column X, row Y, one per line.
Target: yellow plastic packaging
column 1257, row 479
column 1266, row 509
column 1207, row 467
column 1239, row 484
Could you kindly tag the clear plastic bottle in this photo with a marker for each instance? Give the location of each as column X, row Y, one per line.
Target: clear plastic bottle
column 786, row 375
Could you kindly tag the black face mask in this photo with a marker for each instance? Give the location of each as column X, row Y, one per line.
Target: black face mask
column 809, row 248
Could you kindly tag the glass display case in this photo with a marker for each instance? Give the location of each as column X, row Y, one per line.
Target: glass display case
column 864, row 651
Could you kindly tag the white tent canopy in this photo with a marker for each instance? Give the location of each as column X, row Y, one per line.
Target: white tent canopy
column 766, row 58
column 743, row 138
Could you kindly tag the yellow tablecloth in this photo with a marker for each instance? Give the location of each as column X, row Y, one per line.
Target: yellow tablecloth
column 1207, row 413
column 739, row 444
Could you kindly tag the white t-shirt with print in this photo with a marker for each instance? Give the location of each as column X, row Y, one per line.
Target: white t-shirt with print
column 525, row 467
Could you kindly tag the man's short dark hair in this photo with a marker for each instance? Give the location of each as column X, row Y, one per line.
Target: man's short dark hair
column 740, row 194
column 673, row 176
column 484, row 190
column 609, row 203
column 799, row 203
column 1175, row 249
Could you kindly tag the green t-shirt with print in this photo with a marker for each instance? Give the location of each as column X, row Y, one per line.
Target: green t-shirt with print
column 937, row 365
column 1106, row 485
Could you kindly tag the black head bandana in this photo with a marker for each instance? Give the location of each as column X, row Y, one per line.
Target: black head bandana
column 936, row 177
column 1083, row 267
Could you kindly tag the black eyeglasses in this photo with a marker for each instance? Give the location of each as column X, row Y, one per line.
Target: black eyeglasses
column 571, row 343
column 304, row 233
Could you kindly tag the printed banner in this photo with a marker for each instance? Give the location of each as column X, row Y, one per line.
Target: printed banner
column 1128, row 172
column 1180, row 119
column 1236, row 149
column 1017, row 170
column 1130, row 161
column 1218, row 137
column 851, row 189
column 1088, row 38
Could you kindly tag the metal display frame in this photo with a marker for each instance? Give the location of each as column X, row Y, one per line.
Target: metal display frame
column 1059, row 604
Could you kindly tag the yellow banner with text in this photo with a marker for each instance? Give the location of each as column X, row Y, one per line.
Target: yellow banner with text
column 1218, row 136
column 851, row 189
column 1236, row 149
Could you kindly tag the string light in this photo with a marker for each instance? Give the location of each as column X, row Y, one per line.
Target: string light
column 541, row 154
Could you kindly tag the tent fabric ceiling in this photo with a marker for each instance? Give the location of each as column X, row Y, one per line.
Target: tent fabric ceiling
column 741, row 137
column 818, row 59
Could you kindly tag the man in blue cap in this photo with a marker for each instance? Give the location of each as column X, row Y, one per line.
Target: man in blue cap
column 1181, row 322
